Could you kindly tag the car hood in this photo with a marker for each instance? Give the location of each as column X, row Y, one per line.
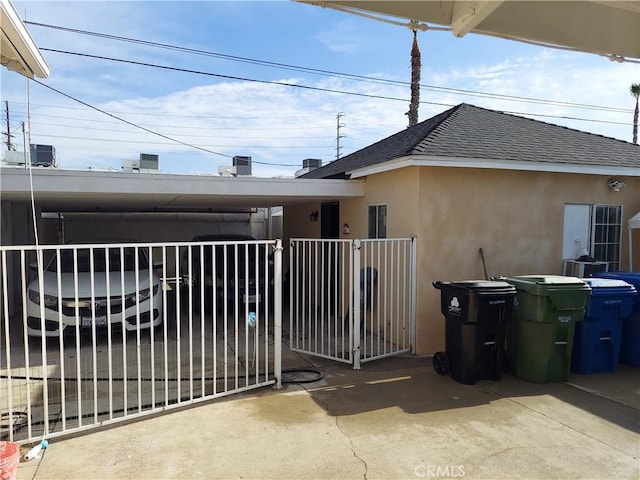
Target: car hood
column 100, row 279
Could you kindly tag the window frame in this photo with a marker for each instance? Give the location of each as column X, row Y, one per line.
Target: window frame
column 377, row 223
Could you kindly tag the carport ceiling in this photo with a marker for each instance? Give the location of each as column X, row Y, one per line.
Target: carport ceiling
column 88, row 191
column 606, row 27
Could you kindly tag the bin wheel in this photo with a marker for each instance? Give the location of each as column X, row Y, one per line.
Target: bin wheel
column 441, row 363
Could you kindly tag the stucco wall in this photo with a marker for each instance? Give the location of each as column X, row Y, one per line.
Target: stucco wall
column 515, row 217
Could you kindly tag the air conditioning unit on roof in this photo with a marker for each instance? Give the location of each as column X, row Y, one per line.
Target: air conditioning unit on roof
column 227, row 171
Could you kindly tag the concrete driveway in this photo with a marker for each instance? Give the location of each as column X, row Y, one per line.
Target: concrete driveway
column 394, row 419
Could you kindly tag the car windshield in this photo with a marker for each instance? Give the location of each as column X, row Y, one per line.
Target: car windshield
column 115, row 260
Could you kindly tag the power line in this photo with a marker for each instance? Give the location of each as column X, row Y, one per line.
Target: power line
column 127, row 121
column 306, row 87
column 317, row 71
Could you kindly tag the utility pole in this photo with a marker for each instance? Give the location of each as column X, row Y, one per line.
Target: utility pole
column 338, row 134
column 8, row 134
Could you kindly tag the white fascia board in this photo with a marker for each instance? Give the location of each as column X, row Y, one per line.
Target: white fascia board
column 25, row 57
column 453, row 162
column 17, row 181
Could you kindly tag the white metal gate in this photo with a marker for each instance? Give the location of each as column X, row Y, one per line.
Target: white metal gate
column 352, row 301
column 131, row 329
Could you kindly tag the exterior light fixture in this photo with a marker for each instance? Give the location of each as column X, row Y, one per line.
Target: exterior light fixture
column 616, row 185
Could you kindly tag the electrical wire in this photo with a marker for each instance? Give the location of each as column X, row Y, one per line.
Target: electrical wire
column 317, row 71
column 127, row 121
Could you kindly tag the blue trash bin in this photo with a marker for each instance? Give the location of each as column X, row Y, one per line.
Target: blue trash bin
column 597, row 339
column 630, row 345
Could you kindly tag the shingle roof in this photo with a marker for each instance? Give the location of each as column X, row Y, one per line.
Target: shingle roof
column 467, row 131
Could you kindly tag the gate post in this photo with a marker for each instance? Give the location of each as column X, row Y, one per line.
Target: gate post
column 355, row 298
column 277, row 313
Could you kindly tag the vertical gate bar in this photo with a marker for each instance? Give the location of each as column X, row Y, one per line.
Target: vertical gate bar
column 235, row 309
column 94, row 345
column 109, row 345
column 165, row 313
column 225, row 305
column 333, row 308
column 43, row 339
column 151, row 327
column 324, row 245
column 202, row 335
column 138, row 337
column 306, row 319
column 25, row 342
column 190, row 339
column 406, row 252
column 277, row 312
column 214, row 321
column 395, row 283
column 78, row 352
column 61, row 342
column 292, row 300
column 245, row 302
column 7, row 336
column 305, row 311
column 397, row 297
column 412, row 293
column 380, row 244
column 346, row 288
column 341, row 302
column 203, row 292
column 355, row 298
column 125, row 370
column 388, row 277
column 314, row 313
column 179, row 328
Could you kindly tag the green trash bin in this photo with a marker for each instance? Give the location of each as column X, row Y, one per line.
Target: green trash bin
column 540, row 335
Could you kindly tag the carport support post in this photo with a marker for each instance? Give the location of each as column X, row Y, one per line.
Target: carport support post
column 277, row 312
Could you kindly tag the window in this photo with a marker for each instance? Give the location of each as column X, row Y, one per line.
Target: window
column 377, row 221
column 607, row 229
column 598, row 228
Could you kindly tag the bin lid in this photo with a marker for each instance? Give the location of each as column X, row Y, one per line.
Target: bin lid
column 630, row 277
column 550, row 280
column 609, row 286
column 542, row 284
column 478, row 286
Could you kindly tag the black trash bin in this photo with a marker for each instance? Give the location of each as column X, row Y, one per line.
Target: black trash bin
column 476, row 314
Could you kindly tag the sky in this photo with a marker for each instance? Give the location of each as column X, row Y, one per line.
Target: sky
column 198, row 82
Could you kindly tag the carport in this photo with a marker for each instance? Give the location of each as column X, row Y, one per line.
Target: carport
column 83, row 376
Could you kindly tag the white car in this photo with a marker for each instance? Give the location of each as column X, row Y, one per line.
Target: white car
column 107, row 291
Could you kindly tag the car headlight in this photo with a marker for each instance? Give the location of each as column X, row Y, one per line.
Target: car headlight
column 49, row 300
column 141, row 296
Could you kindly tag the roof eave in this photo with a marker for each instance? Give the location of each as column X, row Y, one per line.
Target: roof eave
column 453, row 162
column 23, row 55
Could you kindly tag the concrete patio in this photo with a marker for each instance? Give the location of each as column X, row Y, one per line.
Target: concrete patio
column 395, row 418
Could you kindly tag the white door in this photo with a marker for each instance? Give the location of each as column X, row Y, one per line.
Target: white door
column 577, row 230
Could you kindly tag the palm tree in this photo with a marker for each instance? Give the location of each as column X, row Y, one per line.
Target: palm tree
column 415, row 81
column 635, row 91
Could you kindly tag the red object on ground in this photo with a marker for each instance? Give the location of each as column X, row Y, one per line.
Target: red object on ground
column 9, row 459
